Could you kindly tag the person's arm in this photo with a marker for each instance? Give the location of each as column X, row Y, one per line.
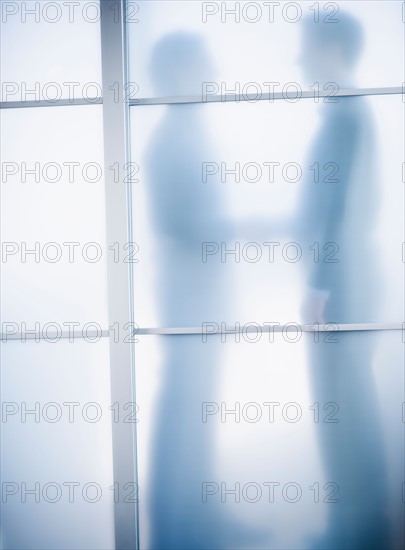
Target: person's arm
column 342, row 149
column 326, row 215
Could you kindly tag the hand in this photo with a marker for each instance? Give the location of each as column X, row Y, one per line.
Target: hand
column 313, row 309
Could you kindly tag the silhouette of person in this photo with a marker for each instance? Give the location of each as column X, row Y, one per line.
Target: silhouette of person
column 185, row 212
column 342, row 287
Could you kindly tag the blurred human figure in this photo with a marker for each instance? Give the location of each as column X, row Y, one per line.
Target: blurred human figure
column 186, row 212
column 339, row 214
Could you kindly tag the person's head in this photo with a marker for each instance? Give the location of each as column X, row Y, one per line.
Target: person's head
column 330, row 50
column 180, row 64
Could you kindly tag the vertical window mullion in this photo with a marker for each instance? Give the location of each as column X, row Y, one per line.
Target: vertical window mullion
column 115, row 115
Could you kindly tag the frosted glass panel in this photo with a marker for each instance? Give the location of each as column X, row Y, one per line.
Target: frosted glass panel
column 53, row 205
column 272, row 441
column 269, row 212
column 175, row 46
column 51, row 50
column 56, row 455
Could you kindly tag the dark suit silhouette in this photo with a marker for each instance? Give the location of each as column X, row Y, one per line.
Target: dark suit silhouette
column 344, row 288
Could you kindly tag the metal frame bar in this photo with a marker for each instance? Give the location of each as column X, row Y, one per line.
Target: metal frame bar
column 218, row 98
column 229, row 329
column 63, row 335
column 120, row 309
column 270, row 97
column 270, row 327
column 46, row 103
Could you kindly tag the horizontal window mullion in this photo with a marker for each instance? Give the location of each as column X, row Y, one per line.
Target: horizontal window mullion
column 270, row 327
column 205, row 329
column 290, row 96
column 220, row 98
column 55, row 335
column 46, row 103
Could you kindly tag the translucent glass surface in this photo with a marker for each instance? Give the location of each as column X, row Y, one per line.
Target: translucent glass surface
column 272, row 441
column 176, row 46
column 52, row 195
column 269, row 211
column 56, row 455
column 51, row 50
